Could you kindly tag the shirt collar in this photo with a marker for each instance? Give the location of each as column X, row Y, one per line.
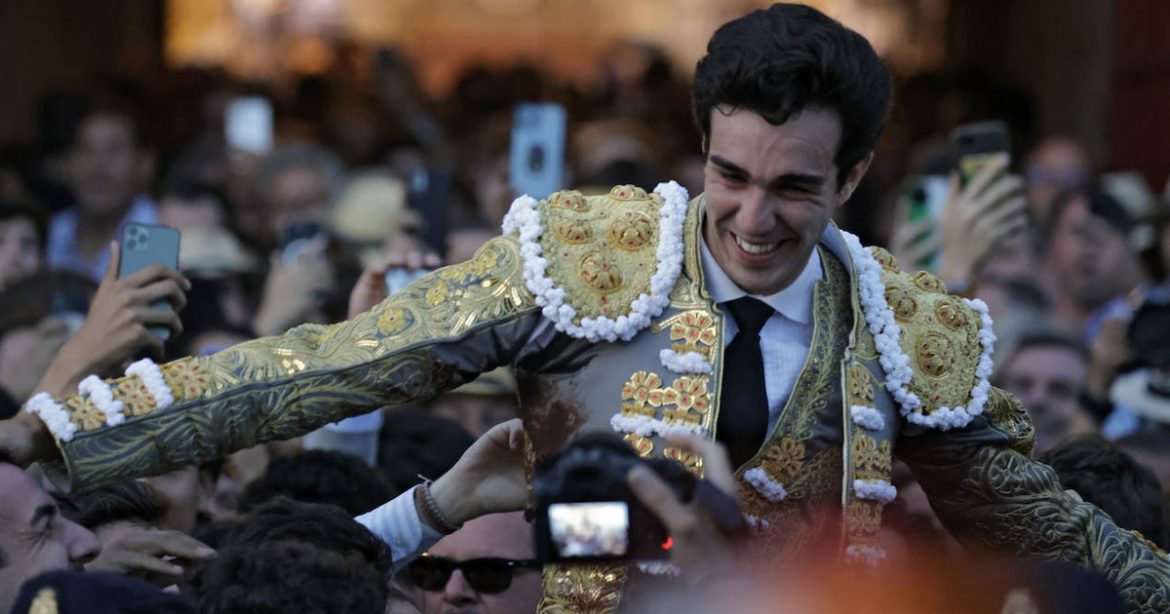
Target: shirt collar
column 793, row 302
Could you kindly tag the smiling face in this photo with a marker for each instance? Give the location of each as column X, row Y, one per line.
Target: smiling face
column 770, row 192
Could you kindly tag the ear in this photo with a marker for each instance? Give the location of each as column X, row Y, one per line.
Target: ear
column 854, row 177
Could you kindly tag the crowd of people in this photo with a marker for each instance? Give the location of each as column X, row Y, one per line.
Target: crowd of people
column 1075, row 274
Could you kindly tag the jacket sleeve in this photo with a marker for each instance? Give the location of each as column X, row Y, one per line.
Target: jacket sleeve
column 443, row 330
column 991, row 495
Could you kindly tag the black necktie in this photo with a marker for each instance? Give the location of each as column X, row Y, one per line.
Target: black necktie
column 743, row 402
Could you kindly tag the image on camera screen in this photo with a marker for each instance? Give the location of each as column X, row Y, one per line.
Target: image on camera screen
column 593, row 529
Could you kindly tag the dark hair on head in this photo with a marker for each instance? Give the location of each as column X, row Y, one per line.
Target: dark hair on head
column 128, row 500
column 1103, row 474
column 787, row 58
column 320, row 476
column 120, row 110
column 414, row 443
column 13, row 210
column 28, row 301
column 287, row 576
column 326, row 526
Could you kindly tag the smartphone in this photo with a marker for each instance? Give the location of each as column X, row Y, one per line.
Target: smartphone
column 144, row 245
column 975, row 143
column 926, row 198
column 429, row 194
column 589, row 530
column 248, row 125
column 537, row 161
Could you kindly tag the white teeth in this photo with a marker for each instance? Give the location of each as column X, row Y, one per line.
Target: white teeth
column 756, row 248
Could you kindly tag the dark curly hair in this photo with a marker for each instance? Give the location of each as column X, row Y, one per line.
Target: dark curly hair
column 320, row 476
column 289, row 576
column 781, row 60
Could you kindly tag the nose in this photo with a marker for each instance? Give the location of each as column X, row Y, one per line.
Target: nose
column 458, row 591
column 757, row 211
column 83, row 544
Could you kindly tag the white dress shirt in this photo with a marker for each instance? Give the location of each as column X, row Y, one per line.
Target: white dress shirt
column 397, row 523
column 786, row 336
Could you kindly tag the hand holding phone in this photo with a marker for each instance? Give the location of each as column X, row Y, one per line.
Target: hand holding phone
column 537, row 159
column 145, row 246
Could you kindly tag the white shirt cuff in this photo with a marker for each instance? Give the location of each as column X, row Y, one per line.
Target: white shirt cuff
column 397, row 523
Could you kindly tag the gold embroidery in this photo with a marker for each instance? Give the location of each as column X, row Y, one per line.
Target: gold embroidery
column 692, row 462
column 86, row 416
column 395, row 320
column 950, row 312
column 901, row 302
column 783, row 460
column 644, row 394
column 44, row 603
column 582, row 588
column 696, row 330
column 864, row 518
column 136, row 399
column 884, row 258
column 861, row 385
column 644, row 446
column 805, row 514
column 929, row 283
column 871, row 460
column 187, row 378
column 602, row 249
column 632, row 231
column 935, row 354
column 686, row 394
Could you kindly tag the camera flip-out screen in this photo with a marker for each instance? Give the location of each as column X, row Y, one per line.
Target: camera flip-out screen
column 591, row 529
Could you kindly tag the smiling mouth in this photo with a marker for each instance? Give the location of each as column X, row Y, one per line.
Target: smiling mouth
column 756, row 249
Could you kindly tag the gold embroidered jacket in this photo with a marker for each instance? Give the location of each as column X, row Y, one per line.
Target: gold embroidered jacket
column 831, row 447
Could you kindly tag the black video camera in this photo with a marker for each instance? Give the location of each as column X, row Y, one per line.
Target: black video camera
column 585, row 509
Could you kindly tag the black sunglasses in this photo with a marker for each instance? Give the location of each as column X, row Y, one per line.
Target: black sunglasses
column 486, row 575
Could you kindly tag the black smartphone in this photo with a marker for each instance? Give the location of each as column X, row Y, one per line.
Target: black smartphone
column 144, row 245
column 975, row 143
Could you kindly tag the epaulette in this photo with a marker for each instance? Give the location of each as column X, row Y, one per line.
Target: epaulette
column 935, row 348
column 601, row 267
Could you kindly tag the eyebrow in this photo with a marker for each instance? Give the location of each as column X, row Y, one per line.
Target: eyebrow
column 43, row 513
column 811, row 180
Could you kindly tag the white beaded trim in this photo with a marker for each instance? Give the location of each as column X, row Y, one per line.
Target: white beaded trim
column 868, row 418
column 524, row 217
column 152, row 378
column 896, row 364
column 99, row 393
column 659, row 568
column 770, row 489
column 53, row 414
column 690, row 362
column 756, row 523
column 646, row 426
column 869, row 555
column 875, row 490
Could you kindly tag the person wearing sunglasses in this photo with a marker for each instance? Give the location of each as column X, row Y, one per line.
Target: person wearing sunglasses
column 486, row 567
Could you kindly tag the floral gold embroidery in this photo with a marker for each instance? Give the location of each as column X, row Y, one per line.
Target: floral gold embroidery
column 929, row 283
column 686, row 394
column 632, row 231
column 864, row 517
column 582, row 588
column 884, row 258
column 951, row 313
column 697, row 332
column 600, row 273
column 935, row 354
column 572, row 231
column 395, row 320
column 136, row 399
column 642, row 393
column 644, row 446
column 87, row 416
column 628, row 192
column 861, row 385
column 692, row 462
column 784, row 459
column 188, row 378
column 569, row 199
column 871, row 460
column 902, row 302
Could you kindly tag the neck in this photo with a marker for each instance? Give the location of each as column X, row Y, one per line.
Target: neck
column 95, row 230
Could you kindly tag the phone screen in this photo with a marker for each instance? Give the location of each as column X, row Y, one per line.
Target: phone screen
column 590, row 530
column 537, row 154
column 248, row 125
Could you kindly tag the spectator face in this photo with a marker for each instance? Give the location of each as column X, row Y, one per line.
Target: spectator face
column 34, row 536
column 107, row 167
column 1049, row 380
column 495, row 535
column 299, row 193
column 20, row 249
column 185, row 493
column 26, row 351
column 770, row 192
column 1090, row 260
column 1054, row 166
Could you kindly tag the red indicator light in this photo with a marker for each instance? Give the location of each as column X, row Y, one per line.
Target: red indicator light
column 668, row 544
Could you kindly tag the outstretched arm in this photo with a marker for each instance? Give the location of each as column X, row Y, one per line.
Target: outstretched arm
column 441, row 331
column 991, row 495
